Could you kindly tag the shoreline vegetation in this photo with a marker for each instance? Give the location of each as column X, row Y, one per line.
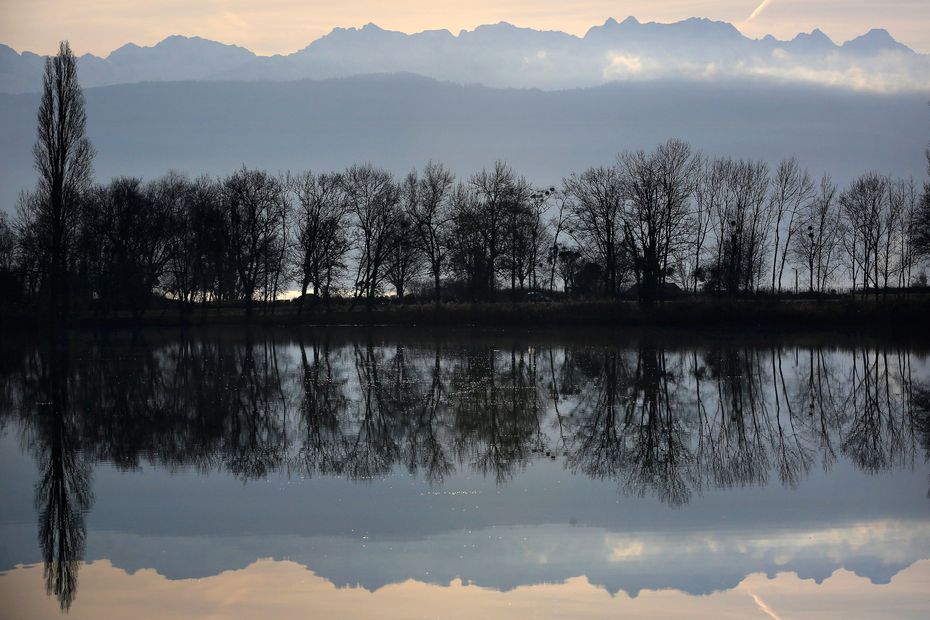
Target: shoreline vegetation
column 899, row 313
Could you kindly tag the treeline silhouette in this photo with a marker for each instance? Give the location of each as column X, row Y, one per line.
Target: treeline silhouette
column 653, row 220
column 656, row 420
column 648, row 225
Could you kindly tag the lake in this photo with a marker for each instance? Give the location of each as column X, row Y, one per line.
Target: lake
column 463, row 473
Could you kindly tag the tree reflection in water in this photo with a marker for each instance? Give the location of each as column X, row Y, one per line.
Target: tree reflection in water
column 63, row 491
column 657, row 420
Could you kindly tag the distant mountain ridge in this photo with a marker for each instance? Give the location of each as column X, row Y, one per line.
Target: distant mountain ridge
column 504, row 55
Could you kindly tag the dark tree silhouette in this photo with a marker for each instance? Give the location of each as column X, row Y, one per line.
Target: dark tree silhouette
column 865, row 206
column 129, row 245
column 63, row 491
column 373, row 198
column 468, row 253
column 63, row 156
column 499, row 193
column 10, row 281
column 320, row 220
column 792, row 193
column 596, row 220
column 921, row 225
column 404, row 261
column 652, row 222
column 431, row 214
column 256, row 216
column 817, row 243
column 658, row 189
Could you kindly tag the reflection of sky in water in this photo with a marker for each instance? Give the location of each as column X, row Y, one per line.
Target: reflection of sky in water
column 576, row 530
column 288, row 590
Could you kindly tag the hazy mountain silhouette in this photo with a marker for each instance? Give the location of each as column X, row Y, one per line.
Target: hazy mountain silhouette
column 401, row 121
column 875, row 41
column 504, row 55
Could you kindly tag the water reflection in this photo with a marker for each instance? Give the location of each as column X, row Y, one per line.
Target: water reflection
column 286, row 590
column 653, row 418
column 673, row 423
column 63, row 491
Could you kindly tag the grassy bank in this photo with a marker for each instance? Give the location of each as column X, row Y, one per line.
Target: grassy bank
column 911, row 313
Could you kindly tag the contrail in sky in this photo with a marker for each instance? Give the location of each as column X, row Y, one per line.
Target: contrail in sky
column 762, row 604
column 759, row 9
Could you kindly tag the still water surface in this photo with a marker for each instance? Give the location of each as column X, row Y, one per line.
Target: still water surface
column 348, row 473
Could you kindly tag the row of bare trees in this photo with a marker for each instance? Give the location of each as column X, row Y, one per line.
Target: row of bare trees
column 724, row 225
column 249, row 236
column 653, row 219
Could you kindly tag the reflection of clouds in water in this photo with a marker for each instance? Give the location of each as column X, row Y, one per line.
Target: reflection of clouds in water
column 888, row 542
column 698, row 562
column 623, row 551
column 288, row 590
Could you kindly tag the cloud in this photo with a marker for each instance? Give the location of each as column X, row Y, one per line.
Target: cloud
column 625, row 552
column 622, row 65
column 888, row 72
column 762, row 6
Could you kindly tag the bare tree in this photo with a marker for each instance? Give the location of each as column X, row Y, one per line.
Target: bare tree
column 658, row 189
column 252, row 200
column 865, row 205
column 7, row 243
column 517, row 241
column 921, row 220
column 171, row 194
column 275, row 272
column 9, row 281
column 497, row 191
column 31, row 246
column 373, row 199
column 466, row 249
column 707, row 194
column 903, row 201
column 539, row 237
column 212, row 267
column 816, row 245
column 63, row 158
column 319, row 225
column 128, row 233
column 557, row 223
column 742, row 223
column 596, row 219
column 404, row 257
column 432, row 215
column 792, row 191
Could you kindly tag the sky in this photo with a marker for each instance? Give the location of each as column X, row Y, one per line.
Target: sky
column 284, row 26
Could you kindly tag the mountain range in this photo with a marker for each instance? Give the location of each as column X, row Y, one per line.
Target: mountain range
column 507, row 56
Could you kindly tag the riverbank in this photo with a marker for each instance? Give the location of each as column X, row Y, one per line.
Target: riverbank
column 901, row 313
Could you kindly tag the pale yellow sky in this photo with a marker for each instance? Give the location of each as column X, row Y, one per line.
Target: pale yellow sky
column 284, row 26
